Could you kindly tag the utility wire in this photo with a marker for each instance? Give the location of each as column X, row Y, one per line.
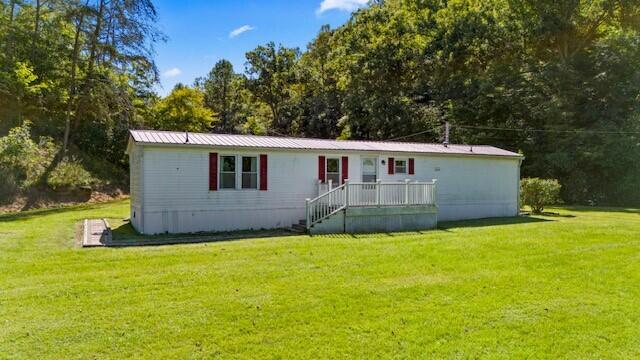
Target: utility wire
column 410, row 135
column 526, row 130
column 549, row 130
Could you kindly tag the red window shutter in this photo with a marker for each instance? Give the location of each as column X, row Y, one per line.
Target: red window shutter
column 213, row 171
column 345, row 168
column 321, row 169
column 263, row 172
column 412, row 169
column 392, row 165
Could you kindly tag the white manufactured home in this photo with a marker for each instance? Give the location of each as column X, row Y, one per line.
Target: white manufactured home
column 187, row 182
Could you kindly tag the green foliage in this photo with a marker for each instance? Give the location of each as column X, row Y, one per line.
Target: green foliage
column 271, row 77
column 184, row 110
column 21, row 160
column 77, row 67
column 317, row 93
column 70, row 174
column 563, row 76
column 538, row 193
column 224, row 92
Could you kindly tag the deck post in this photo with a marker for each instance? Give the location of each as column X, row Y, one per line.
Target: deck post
column 434, row 192
column 406, row 191
column 307, row 213
column 378, row 188
column 346, row 193
column 330, row 185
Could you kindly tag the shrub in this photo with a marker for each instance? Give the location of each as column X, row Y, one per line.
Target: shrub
column 9, row 187
column 21, row 160
column 17, row 152
column 70, row 174
column 538, row 193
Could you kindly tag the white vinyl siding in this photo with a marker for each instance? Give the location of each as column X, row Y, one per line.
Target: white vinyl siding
column 174, row 196
column 135, row 183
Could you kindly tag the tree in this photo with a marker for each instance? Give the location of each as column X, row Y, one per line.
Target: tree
column 319, row 96
column 271, row 78
column 557, row 80
column 222, row 88
column 183, row 109
column 88, row 61
column 378, row 55
column 120, row 37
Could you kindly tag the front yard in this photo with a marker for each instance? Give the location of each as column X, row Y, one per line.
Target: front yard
column 559, row 286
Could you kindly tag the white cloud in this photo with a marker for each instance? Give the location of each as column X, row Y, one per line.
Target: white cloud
column 240, row 30
column 345, row 5
column 172, row 72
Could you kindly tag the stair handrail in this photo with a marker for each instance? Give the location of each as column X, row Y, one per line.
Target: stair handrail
column 317, row 210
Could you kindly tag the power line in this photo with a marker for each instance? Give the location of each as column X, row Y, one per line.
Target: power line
column 410, row 135
column 523, row 130
column 549, row 130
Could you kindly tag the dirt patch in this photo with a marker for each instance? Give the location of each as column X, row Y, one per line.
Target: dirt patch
column 41, row 199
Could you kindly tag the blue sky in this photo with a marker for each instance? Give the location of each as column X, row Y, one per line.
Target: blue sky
column 201, row 32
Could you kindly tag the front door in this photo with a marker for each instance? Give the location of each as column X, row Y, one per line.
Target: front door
column 369, row 169
column 367, row 193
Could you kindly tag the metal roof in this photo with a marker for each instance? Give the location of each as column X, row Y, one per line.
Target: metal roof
column 273, row 142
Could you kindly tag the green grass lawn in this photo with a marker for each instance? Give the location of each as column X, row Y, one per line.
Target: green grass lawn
column 560, row 286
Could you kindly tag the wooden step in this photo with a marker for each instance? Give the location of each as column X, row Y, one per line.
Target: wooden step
column 299, row 228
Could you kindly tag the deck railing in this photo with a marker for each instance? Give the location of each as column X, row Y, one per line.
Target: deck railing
column 376, row 194
column 325, row 187
column 326, row 204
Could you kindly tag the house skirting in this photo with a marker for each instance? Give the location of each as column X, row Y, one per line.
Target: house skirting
column 378, row 219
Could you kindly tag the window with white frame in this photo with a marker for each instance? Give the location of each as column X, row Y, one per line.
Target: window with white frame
column 228, row 172
column 333, row 170
column 249, row 172
column 238, row 172
column 400, row 166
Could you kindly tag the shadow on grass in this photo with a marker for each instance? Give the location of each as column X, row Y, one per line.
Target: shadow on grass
column 125, row 235
column 578, row 208
column 446, row 225
column 552, row 214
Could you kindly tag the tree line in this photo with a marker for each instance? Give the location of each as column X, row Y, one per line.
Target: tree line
column 558, row 81
column 78, row 71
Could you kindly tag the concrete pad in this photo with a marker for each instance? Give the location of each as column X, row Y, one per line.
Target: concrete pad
column 96, row 232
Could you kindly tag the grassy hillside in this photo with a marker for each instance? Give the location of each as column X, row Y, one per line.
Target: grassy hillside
column 561, row 286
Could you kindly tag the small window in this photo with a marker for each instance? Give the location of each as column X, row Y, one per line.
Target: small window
column 249, row 172
column 333, row 171
column 401, row 167
column 228, row 172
